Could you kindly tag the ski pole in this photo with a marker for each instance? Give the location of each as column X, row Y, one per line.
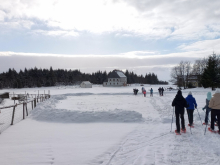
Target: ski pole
column 172, row 120
column 199, row 116
column 205, row 128
column 206, row 125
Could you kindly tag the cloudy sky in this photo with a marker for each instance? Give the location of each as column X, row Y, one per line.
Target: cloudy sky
column 139, row 35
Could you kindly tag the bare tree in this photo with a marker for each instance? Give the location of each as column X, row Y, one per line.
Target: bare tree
column 180, row 73
column 198, row 69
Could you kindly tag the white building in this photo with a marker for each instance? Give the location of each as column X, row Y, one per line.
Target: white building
column 86, row 84
column 115, row 78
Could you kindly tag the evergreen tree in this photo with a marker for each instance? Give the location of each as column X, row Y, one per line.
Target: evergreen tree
column 211, row 74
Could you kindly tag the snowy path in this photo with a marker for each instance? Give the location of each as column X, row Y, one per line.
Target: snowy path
column 93, row 129
column 153, row 144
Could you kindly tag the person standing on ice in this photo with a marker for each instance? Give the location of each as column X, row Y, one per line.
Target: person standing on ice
column 191, row 101
column 214, row 104
column 209, row 96
column 151, row 92
column 179, row 102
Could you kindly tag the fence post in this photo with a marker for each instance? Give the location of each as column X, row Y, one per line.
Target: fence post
column 23, row 111
column 32, row 105
column 13, row 115
column 26, row 109
column 34, row 102
column 14, row 96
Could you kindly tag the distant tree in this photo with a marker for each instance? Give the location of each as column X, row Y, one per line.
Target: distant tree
column 211, row 75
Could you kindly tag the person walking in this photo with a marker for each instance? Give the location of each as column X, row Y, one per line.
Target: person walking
column 191, row 101
column 179, row 102
column 144, row 92
column 162, row 91
column 159, row 90
column 142, row 89
column 214, row 104
column 209, row 96
column 151, row 92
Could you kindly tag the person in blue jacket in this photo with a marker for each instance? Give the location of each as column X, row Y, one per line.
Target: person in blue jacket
column 191, row 101
column 151, row 92
column 209, row 96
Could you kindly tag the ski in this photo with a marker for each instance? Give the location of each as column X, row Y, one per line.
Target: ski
column 206, row 124
column 177, row 133
column 191, row 126
column 211, row 130
column 183, row 130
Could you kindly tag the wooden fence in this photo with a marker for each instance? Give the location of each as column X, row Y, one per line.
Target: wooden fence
column 23, row 108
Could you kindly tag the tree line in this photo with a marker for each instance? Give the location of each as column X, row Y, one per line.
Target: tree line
column 203, row 73
column 35, row 77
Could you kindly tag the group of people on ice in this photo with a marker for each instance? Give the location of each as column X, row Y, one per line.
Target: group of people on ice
column 212, row 105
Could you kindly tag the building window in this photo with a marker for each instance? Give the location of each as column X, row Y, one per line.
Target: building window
column 117, row 79
column 110, row 79
column 110, row 83
column 114, row 83
column 106, row 83
column 113, row 79
column 117, row 83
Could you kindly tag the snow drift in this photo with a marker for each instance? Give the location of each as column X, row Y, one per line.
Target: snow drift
column 46, row 111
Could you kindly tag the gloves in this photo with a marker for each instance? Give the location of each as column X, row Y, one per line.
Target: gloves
column 203, row 109
column 196, row 107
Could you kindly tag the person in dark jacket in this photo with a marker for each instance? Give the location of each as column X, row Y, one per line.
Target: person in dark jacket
column 209, row 96
column 162, row 91
column 159, row 90
column 179, row 103
column 191, row 101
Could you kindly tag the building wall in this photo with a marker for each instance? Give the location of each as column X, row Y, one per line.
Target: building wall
column 116, row 82
column 86, row 85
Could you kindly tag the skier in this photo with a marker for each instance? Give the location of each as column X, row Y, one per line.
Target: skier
column 209, row 96
column 151, row 92
column 191, row 101
column 214, row 104
column 162, row 91
column 180, row 103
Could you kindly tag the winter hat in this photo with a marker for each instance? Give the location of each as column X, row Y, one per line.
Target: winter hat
column 217, row 91
column 209, row 96
column 179, row 92
column 190, row 93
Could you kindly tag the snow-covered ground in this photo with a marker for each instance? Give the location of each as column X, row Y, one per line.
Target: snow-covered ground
column 105, row 126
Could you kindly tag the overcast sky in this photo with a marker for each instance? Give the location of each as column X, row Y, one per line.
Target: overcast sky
column 139, row 35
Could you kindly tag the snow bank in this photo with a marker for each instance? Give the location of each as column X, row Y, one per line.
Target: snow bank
column 46, row 111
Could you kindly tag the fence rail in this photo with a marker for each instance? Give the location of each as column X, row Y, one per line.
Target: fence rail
column 12, row 114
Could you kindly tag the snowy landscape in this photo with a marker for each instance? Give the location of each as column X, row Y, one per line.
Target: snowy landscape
column 105, row 126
